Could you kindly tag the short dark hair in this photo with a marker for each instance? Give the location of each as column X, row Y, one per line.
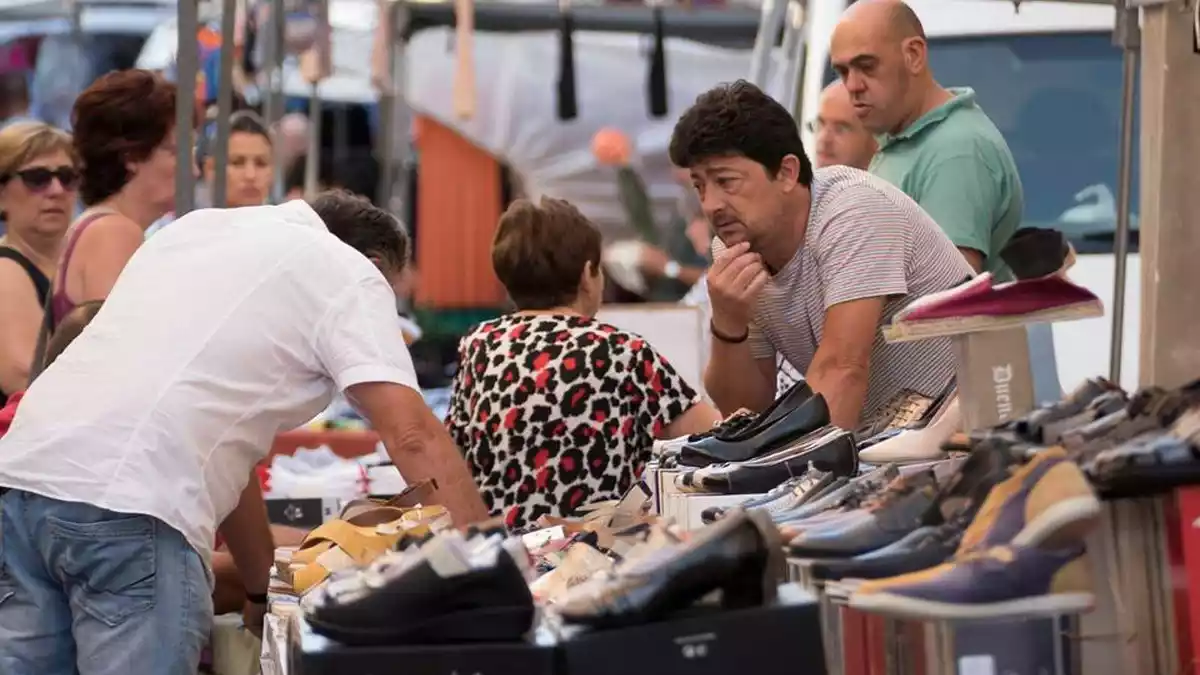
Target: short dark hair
column 540, row 251
column 124, row 116
column 240, row 122
column 71, row 326
column 738, row 119
column 367, row 228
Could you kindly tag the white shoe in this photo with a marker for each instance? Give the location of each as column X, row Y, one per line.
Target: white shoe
column 918, row 445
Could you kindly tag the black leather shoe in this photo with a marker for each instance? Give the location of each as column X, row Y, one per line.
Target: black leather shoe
column 741, row 555
column 428, row 596
column 791, row 424
column 831, row 450
column 745, row 425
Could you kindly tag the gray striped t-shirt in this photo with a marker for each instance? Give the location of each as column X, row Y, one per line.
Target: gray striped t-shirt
column 865, row 238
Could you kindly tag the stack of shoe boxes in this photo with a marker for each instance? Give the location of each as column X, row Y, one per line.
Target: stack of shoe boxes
column 683, row 508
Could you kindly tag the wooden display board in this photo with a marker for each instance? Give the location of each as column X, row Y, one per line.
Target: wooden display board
column 677, row 332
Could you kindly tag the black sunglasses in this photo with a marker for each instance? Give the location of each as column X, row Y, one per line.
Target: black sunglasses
column 39, row 178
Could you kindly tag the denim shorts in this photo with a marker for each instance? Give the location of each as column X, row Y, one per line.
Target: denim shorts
column 89, row 591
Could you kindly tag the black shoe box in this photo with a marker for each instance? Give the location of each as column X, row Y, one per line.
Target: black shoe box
column 781, row 639
column 312, row 654
column 302, row 512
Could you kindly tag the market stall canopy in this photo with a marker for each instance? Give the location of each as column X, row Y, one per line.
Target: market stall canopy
column 734, row 27
column 517, row 120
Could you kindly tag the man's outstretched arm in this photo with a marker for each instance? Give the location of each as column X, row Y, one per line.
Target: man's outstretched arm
column 420, row 446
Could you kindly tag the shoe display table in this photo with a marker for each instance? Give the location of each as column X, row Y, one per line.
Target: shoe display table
column 702, row 642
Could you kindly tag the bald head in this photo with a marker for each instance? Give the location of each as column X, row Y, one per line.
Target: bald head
column 891, row 17
column 840, row 137
column 878, row 48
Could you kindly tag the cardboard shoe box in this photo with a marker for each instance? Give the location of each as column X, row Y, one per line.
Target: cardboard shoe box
column 302, row 512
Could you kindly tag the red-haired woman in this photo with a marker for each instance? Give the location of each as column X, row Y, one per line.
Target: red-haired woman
column 124, row 132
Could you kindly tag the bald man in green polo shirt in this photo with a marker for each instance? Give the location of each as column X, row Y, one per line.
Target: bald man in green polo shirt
column 935, row 144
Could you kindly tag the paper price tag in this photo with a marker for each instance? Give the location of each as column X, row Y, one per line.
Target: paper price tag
column 977, row 665
column 538, row 539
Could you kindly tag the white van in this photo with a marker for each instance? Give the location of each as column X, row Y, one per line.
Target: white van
column 1049, row 76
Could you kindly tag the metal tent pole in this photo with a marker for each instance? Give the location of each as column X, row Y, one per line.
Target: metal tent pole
column 1127, row 36
column 277, row 27
column 395, row 124
column 386, row 139
column 266, row 33
column 793, row 53
column 186, row 58
column 774, row 13
column 312, row 163
column 220, row 147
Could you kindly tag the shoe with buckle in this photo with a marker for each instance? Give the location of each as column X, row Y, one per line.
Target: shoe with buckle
column 786, row 426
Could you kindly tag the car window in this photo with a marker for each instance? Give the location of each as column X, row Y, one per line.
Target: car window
column 1057, row 100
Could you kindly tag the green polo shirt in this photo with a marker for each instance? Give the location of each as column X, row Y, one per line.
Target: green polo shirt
column 955, row 163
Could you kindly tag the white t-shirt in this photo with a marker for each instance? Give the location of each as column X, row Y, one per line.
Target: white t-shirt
column 224, row 329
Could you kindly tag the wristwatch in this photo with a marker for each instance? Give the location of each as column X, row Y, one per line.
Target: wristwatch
column 256, row 598
column 671, row 270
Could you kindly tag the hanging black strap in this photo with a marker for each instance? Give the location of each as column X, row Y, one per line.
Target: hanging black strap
column 568, row 107
column 41, row 283
column 656, row 82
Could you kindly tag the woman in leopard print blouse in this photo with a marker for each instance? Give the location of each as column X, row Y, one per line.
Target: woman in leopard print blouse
column 553, row 409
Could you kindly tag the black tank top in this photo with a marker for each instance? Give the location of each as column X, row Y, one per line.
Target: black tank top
column 40, row 283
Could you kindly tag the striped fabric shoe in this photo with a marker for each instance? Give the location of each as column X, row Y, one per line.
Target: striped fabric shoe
column 1004, row 582
column 1046, row 500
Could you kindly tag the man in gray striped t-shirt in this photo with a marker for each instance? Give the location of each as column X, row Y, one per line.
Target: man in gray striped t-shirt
column 808, row 265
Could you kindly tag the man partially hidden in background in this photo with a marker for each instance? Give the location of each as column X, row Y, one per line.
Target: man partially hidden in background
column 935, row 144
column 841, row 138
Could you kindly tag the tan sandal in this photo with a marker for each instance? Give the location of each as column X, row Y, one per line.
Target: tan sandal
column 339, row 544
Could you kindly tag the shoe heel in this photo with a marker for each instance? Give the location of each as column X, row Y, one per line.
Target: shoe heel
column 755, row 590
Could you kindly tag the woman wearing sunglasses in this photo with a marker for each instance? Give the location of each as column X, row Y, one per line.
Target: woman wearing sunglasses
column 38, row 182
column 124, row 126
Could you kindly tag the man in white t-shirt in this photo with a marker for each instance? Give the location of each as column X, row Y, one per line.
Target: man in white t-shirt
column 125, row 455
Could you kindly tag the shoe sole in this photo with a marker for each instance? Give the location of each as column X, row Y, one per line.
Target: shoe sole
column 1039, row 606
column 947, row 327
column 1071, row 519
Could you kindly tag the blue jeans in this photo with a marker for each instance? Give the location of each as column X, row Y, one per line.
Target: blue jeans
column 89, row 591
